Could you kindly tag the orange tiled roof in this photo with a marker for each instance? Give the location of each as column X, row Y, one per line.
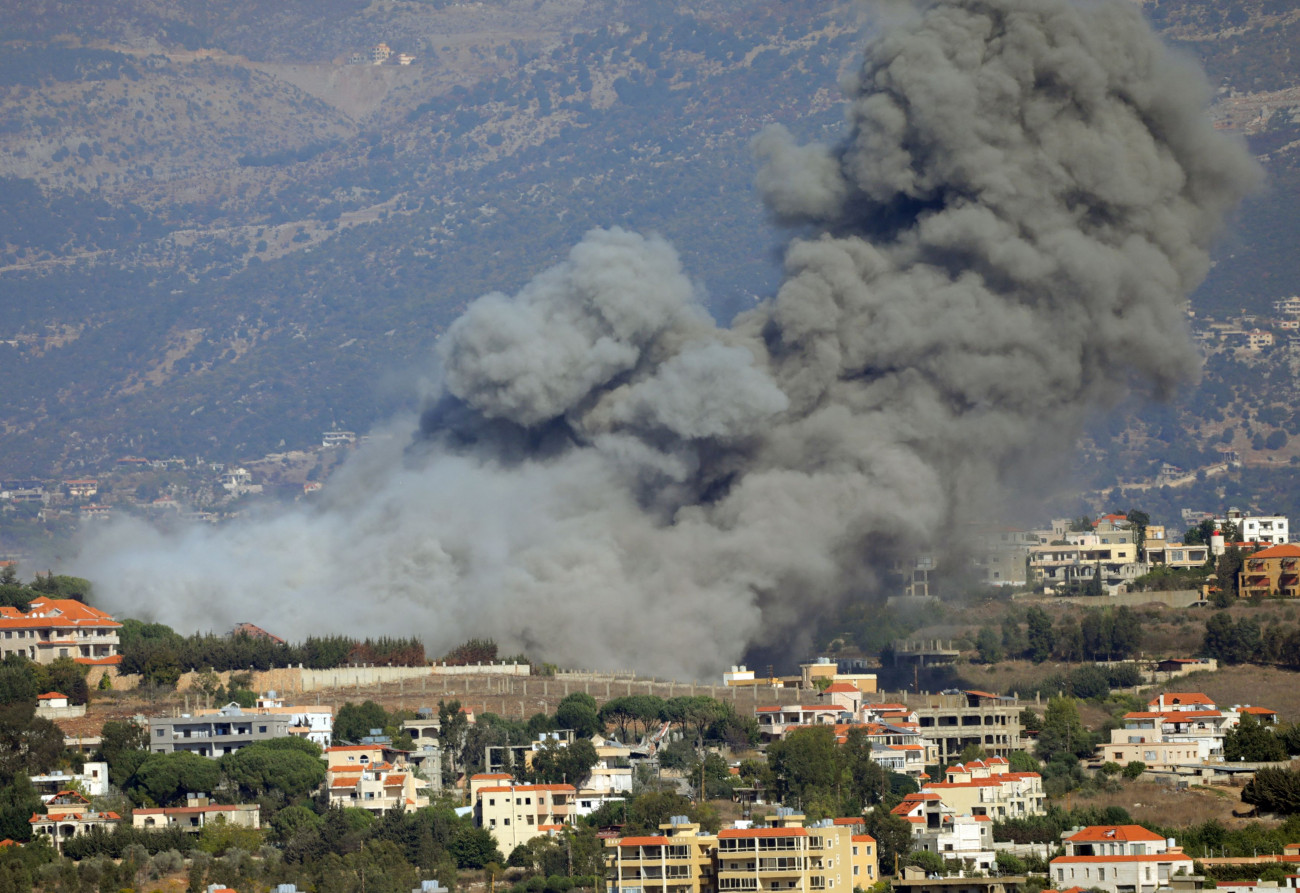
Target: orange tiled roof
column 1104, row 833
column 1285, row 550
column 643, row 841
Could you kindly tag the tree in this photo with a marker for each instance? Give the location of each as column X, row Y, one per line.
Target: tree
column 18, row 802
column 1013, row 638
column 275, row 766
column 1274, row 790
column 474, row 847
column 1220, row 637
column 1041, row 639
column 805, row 762
column 579, row 712
column 989, row 645
column 554, row 764
column 1252, row 742
column 29, row 744
column 355, row 721
column 893, row 836
column 1138, row 523
column 123, row 744
column 165, row 778
column 452, row 725
column 1063, row 732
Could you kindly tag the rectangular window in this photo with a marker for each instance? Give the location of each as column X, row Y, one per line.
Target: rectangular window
column 262, row 729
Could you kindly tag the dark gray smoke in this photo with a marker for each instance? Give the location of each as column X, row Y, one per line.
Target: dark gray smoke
column 1002, row 244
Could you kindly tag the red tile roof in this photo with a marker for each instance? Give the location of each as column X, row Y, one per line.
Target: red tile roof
column 643, row 841
column 1285, row 550
column 1104, row 833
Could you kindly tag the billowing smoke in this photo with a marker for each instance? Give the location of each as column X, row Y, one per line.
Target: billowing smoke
column 1001, row 245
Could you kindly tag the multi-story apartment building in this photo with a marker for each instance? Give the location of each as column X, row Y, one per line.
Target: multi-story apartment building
column 374, row 777
column 783, row 855
column 1271, row 572
column 316, row 723
column 956, row 720
column 515, row 814
column 1178, row 727
column 59, row 627
column 215, row 734
column 990, row 788
column 678, row 860
column 1118, row 858
column 1271, row 529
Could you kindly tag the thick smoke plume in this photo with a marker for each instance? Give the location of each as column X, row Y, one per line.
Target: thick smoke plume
column 1002, row 244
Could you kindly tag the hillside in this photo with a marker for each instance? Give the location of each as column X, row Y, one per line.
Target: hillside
column 220, row 238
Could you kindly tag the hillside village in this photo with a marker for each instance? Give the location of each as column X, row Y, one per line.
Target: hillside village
column 406, row 771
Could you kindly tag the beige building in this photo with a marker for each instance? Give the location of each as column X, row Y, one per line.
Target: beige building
column 783, row 855
column 361, row 775
column 515, row 814
column 69, row 814
column 990, row 788
column 1275, row 571
column 197, row 813
column 60, row 627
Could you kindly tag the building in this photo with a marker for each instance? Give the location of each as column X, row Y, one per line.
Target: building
column 373, row 777
column 782, row 855
column 516, row 813
column 69, row 814
column 197, row 813
column 83, row 489
column 1107, row 553
column 956, row 720
column 1177, row 727
column 1274, row 571
column 217, row 733
column 1271, row 529
column 1003, row 558
column 316, row 724
column 1118, row 858
column 774, row 722
column 914, row 880
column 989, row 788
column 92, row 781
column 60, row 627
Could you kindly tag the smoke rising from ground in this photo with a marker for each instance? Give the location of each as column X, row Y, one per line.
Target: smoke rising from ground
column 1001, row 244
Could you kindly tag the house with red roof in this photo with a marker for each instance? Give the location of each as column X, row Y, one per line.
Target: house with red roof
column 198, row 812
column 1177, row 728
column 69, row 814
column 989, row 788
column 1118, row 857
column 1274, row 571
column 51, row 628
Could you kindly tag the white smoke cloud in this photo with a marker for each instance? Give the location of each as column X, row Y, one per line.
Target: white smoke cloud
column 1000, row 245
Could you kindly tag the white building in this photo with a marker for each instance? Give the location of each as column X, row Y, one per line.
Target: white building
column 1272, row 529
column 1126, row 858
column 92, row 781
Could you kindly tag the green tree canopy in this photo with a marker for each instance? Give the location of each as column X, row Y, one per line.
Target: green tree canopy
column 165, row 778
column 275, row 766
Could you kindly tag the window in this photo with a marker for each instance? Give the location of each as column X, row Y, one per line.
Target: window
column 160, row 733
column 505, row 821
column 262, row 729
